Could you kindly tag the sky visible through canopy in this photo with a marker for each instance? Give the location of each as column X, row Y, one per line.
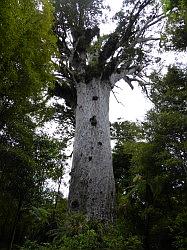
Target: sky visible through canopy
column 125, row 103
column 129, row 104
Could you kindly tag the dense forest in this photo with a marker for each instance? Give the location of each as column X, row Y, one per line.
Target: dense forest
column 57, row 70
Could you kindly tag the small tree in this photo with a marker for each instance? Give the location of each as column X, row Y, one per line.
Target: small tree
column 176, row 33
column 26, row 47
column 151, row 175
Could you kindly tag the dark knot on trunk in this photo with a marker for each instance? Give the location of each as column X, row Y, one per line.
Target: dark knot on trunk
column 93, row 121
column 95, row 98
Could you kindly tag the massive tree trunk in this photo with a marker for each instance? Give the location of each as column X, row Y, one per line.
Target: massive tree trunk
column 92, row 188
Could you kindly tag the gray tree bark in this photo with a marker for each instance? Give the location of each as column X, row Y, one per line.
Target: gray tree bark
column 92, row 188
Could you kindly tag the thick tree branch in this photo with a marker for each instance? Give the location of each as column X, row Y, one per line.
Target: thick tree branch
column 132, row 20
column 127, row 54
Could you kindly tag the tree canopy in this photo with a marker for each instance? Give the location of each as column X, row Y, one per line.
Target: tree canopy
column 85, row 53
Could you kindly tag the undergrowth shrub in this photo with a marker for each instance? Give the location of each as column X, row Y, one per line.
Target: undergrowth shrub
column 74, row 231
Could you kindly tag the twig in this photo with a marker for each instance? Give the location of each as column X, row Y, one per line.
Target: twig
column 117, row 99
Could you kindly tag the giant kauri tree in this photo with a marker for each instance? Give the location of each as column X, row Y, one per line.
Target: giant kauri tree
column 90, row 65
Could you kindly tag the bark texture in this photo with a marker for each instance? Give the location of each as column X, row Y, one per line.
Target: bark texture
column 92, row 188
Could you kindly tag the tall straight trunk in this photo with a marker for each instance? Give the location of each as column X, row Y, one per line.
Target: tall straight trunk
column 16, row 220
column 92, row 188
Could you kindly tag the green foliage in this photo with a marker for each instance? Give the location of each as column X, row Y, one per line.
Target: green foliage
column 26, row 47
column 126, row 131
column 176, row 30
column 76, row 232
column 27, row 159
column 80, row 13
column 151, row 174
